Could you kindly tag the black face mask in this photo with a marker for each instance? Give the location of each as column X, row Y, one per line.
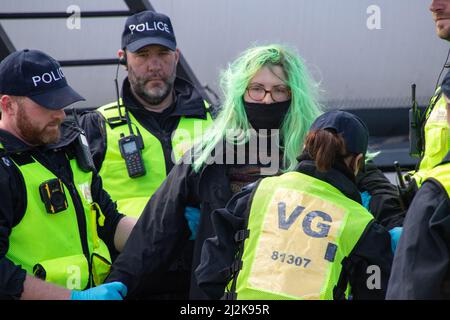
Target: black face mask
column 266, row 116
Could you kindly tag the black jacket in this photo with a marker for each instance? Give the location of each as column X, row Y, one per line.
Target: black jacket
column 162, row 232
column 421, row 263
column 188, row 102
column 220, row 252
column 13, row 200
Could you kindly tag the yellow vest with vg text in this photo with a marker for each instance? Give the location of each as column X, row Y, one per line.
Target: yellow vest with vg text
column 300, row 230
column 50, row 245
column 132, row 194
column 437, row 138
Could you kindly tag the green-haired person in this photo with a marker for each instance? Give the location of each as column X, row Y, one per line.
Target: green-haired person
column 270, row 102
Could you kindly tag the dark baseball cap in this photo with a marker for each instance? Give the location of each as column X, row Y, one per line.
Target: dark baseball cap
column 146, row 28
column 445, row 87
column 36, row 75
column 353, row 130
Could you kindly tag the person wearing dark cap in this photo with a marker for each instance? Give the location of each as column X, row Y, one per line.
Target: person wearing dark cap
column 304, row 234
column 167, row 114
column 57, row 224
column 434, row 130
column 270, row 103
column 422, row 260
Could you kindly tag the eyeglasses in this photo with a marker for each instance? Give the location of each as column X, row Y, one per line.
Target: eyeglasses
column 278, row 93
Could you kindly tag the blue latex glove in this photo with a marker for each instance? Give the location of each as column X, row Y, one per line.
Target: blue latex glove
column 395, row 236
column 106, row 291
column 365, row 198
column 192, row 216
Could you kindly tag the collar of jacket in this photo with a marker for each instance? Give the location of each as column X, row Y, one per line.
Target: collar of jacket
column 188, row 101
column 335, row 176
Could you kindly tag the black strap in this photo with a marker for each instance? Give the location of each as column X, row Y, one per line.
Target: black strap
column 426, row 116
column 229, row 296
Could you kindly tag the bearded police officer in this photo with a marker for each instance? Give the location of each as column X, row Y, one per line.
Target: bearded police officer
column 163, row 113
column 57, row 225
column 422, row 260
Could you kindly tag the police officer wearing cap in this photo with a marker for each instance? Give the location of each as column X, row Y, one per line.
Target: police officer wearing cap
column 304, row 234
column 57, row 225
column 165, row 113
column 422, row 260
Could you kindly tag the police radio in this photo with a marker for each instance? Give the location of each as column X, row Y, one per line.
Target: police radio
column 415, row 127
column 130, row 146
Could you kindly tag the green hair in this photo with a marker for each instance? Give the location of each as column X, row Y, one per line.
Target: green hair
column 304, row 108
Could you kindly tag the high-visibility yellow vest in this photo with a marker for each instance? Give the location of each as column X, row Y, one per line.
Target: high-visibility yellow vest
column 132, row 194
column 50, row 245
column 300, row 229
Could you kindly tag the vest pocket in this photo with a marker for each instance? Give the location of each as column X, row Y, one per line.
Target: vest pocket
column 71, row 272
column 100, row 268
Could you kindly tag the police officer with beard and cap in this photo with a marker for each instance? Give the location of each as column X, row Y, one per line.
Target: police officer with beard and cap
column 159, row 112
column 57, row 225
column 422, row 260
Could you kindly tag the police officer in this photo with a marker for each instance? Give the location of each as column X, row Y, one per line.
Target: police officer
column 56, row 222
column 421, row 263
column 166, row 113
column 304, row 234
column 435, row 128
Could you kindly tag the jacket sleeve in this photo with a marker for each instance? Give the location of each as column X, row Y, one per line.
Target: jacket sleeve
column 385, row 200
column 160, row 233
column 12, row 276
column 93, row 124
column 370, row 264
column 422, row 258
column 109, row 210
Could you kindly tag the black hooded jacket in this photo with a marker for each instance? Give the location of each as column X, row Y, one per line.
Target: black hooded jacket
column 187, row 102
